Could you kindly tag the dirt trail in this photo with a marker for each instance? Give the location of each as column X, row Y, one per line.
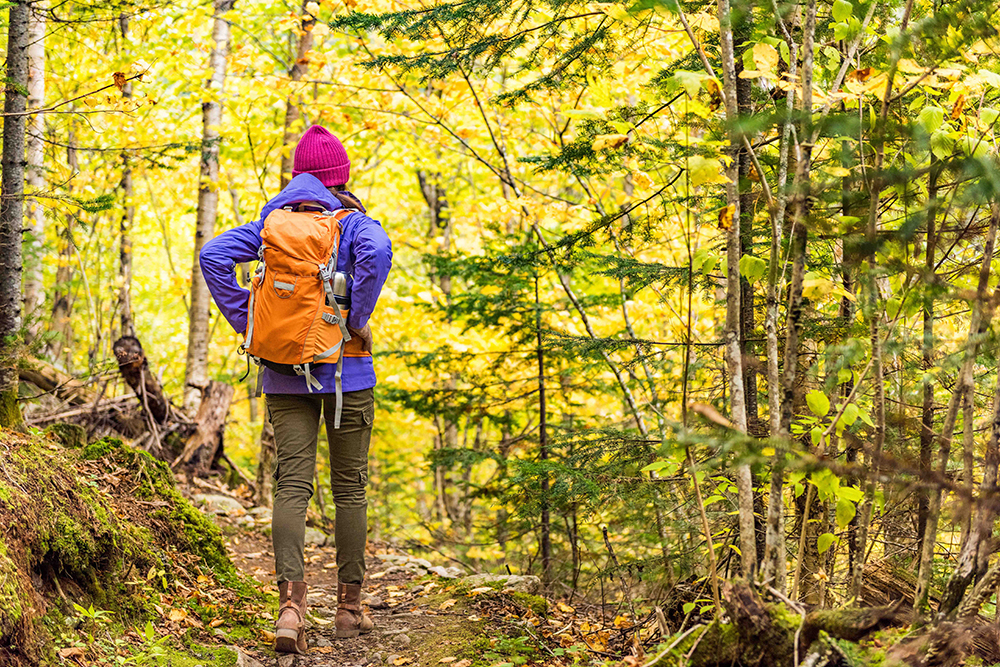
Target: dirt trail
column 410, row 627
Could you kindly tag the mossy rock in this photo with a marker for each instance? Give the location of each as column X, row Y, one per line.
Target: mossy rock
column 72, row 436
column 90, row 526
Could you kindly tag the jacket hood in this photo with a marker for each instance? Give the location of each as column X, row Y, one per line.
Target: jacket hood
column 304, row 187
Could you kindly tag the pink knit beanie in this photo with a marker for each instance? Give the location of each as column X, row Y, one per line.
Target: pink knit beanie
column 321, row 154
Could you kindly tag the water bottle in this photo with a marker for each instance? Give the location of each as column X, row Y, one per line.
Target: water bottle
column 340, row 290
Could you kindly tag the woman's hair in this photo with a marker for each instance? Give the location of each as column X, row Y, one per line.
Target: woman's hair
column 345, row 198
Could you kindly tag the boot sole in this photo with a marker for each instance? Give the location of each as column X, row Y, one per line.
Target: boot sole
column 287, row 641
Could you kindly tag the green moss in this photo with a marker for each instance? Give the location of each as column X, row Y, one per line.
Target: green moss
column 196, row 655
column 101, row 448
column 536, row 603
column 11, row 609
column 70, row 435
column 10, row 411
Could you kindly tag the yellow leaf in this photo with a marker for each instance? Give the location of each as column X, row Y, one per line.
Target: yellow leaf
column 706, row 171
column 216, row 622
column 765, row 57
column 402, row 661
column 565, row 608
column 448, row 659
column 481, row 589
column 604, row 141
column 446, row 604
column 312, row 8
column 839, row 172
column 726, row 215
column 177, row 615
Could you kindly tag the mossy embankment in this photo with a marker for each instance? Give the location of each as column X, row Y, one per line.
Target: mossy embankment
column 102, row 526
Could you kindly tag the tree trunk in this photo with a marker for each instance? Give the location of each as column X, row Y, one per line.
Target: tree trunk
column 292, row 112
column 734, row 359
column 12, row 209
column 134, row 367
column 34, row 292
column 800, row 211
column 543, row 449
column 982, row 315
column 128, row 214
column 977, row 547
column 196, row 369
column 927, row 349
column 775, row 559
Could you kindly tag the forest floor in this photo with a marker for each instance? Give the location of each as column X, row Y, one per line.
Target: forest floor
column 421, row 618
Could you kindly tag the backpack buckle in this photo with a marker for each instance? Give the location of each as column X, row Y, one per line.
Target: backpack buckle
column 330, row 318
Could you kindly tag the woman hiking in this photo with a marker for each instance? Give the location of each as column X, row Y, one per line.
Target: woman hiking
column 342, row 392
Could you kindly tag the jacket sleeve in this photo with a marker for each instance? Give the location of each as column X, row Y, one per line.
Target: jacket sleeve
column 218, row 258
column 372, row 261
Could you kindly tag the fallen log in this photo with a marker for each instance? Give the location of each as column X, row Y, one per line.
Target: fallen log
column 50, row 379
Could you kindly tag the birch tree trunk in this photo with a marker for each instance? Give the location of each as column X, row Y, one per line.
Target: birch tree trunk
column 292, row 112
column 800, row 210
column 734, row 357
column 12, row 208
column 34, row 294
column 982, row 315
column 976, row 550
column 196, row 370
column 775, row 565
column 927, row 408
column 128, row 215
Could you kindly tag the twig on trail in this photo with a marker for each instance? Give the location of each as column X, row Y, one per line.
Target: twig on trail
column 673, row 645
column 618, row 567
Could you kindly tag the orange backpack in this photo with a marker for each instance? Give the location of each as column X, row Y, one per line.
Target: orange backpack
column 294, row 320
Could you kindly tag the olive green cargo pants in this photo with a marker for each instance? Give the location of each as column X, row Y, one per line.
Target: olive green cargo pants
column 296, row 428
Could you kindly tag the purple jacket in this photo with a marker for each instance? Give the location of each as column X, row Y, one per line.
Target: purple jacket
column 365, row 252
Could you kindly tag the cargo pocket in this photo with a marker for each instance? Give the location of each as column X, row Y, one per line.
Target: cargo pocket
column 368, row 414
column 284, row 285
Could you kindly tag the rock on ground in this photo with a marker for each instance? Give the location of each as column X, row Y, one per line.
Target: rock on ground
column 511, row 582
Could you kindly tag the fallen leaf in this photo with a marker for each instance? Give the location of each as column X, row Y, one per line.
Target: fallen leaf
column 462, row 663
column 402, row 661
column 177, row 615
column 481, row 589
column 565, row 608
column 448, row 659
column 321, row 649
column 446, row 604
column 70, row 652
column 377, row 575
column 216, row 622
column 956, row 110
column 726, row 215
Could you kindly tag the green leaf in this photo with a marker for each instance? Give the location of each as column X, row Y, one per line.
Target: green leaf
column 866, row 418
column 783, row 49
column 713, row 499
column 655, row 466
column 852, row 493
column 688, row 607
column 942, row 143
column 843, row 375
column 706, row 608
column 752, row 268
column 706, row 171
column 689, row 81
column 842, row 10
column 850, row 414
column 931, row 118
column 845, row 512
column 816, row 434
column 818, row 403
column 825, row 541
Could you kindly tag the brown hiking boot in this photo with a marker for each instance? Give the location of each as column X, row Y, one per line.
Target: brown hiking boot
column 351, row 620
column 290, row 633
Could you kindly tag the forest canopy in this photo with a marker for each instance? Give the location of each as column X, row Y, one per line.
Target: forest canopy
column 683, row 293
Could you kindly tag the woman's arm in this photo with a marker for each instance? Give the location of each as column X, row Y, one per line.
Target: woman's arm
column 218, row 259
column 372, row 261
